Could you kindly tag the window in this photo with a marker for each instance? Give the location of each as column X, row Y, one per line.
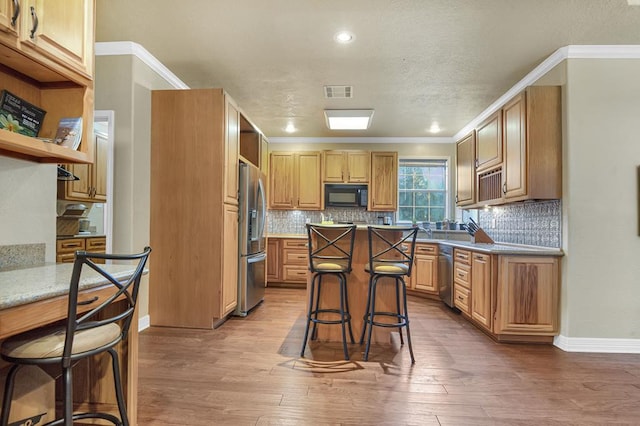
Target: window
column 422, row 192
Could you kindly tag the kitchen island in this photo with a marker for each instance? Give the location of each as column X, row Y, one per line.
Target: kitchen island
column 36, row 296
column 509, row 291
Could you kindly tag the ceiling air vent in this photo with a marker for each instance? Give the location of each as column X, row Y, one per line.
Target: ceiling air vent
column 338, row 92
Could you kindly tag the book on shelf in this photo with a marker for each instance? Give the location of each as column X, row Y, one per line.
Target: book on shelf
column 69, row 133
column 19, row 116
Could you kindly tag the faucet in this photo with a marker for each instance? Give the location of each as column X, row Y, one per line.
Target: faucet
column 427, row 230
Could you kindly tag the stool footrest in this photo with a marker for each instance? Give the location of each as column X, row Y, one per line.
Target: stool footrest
column 345, row 318
column 404, row 321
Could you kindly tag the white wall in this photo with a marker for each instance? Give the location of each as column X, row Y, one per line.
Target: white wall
column 28, row 204
column 601, row 269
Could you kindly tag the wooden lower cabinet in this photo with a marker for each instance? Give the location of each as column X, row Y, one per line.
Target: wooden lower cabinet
column 511, row 297
column 481, row 274
column 66, row 247
column 424, row 277
column 528, row 289
column 230, row 260
column 287, row 260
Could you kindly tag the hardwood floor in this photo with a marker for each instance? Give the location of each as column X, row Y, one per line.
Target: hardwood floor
column 248, row 372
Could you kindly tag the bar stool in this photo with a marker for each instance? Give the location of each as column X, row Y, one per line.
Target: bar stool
column 330, row 253
column 391, row 250
column 82, row 335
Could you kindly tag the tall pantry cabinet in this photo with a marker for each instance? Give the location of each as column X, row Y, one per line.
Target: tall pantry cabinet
column 194, row 207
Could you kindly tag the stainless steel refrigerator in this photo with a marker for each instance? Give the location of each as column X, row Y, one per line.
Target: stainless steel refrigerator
column 252, row 247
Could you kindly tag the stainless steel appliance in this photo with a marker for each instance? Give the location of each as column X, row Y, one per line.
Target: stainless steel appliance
column 445, row 274
column 345, row 195
column 253, row 256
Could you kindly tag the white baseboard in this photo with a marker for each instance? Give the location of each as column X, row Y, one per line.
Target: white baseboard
column 587, row 344
column 144, row 322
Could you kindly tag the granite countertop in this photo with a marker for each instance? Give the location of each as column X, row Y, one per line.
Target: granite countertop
column 21, row 286
column 87, row 235
column 501, row 248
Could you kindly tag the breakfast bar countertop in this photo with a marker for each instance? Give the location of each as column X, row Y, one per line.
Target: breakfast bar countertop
column 20, row 286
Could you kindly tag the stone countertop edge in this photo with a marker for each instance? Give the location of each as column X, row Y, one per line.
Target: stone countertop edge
column 497, row 248
column 68, row 237
column 27, row 285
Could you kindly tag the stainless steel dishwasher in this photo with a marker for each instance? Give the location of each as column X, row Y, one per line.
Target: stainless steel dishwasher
column 445, row 274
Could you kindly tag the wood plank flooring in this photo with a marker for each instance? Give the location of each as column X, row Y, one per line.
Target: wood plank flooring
column 248, row 372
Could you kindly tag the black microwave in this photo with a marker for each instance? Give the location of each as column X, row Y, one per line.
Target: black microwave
column 345, row 195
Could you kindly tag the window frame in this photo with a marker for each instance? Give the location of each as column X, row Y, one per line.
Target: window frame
column 447, row 177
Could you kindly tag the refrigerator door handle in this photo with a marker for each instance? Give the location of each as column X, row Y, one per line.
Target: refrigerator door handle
column 257, row 258
column 263, row 212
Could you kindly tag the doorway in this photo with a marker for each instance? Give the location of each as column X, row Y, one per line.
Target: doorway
column 103, row 127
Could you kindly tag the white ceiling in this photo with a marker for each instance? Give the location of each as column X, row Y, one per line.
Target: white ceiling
column 413, row 61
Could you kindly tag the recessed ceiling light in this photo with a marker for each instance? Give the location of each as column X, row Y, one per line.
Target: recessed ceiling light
column 348, row 119
column 344, row 37
column 435, row 128
column 290, row 128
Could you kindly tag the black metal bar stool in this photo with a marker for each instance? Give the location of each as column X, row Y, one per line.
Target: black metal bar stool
column 330, row 253
column 391, row 250
column 81, row 336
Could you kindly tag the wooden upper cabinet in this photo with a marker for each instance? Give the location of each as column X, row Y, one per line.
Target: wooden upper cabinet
column 527, row 301
column 346, row 166
column 295, row 181
column 465, row 170
column 9, row 17
column 532, row 166
column 489, row 142
column 308, row 183
column 515, row 142
column 232, row 141
column 92, row 183
column 383, row 188
column 61, row 30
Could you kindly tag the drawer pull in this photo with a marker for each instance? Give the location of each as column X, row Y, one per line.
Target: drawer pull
column 88, row 301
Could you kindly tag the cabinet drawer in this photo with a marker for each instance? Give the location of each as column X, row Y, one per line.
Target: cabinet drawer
column 97, row 244
column 66, row 257
column 461, row 298
column 426, row 249
column 70, row 245
column 462, row 256
column 297, row 243
column 462, row 274
column 294, row 257
column 294, row 273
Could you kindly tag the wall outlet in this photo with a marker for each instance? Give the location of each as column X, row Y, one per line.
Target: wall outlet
column 493, row 223
column 307, row 220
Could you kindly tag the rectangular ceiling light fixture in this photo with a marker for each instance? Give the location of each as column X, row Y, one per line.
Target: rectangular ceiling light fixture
column 348, row 119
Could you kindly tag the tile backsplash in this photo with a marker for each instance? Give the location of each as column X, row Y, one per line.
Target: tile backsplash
column 537, row 223
column 293, row 221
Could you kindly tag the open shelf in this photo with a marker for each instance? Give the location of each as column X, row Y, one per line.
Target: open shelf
column 16, row 145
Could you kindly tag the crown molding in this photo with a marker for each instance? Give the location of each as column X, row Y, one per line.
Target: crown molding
column 566, row 52
column 116, row 48
column 369, row 140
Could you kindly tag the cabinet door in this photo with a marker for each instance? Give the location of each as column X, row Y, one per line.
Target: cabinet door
column 424, row 277
column 481, row 289
column 333, row 166
column 264, row 155
column 358, row 166
column 515, row 147
column 383, row 188
column 273, row 260
column 232, row 136
column 308, row 181
column 527, row 295
column 61, row 30
column 489, row 142
column 78, row 189
column 281, row 180
column 99, row 169
column 466, row 170
column 229, row 294
column 8, row 18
